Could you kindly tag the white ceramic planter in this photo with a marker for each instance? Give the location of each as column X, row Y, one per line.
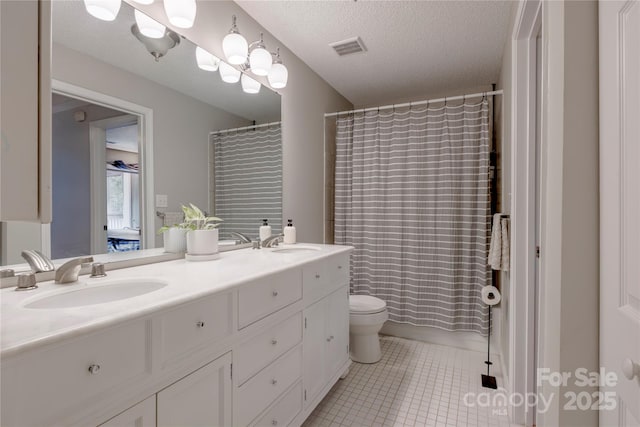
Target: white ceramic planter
column 175, row 240
column 202, row 242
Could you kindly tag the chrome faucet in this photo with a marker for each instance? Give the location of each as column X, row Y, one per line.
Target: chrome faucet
column 243, row 238
column 69, row 271
column 272, row 241
column 37, row 261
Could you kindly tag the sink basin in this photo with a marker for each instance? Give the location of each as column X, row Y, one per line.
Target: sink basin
column 93, row 294
column 295, row 249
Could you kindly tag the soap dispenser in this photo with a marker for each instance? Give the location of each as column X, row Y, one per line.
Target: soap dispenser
column 289, row 233
column 265, row 230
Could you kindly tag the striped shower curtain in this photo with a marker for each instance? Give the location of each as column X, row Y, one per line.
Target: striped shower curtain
column 247, row 179
column 412, row 197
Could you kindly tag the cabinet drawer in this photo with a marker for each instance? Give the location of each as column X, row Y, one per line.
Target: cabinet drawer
column 323, row 277
column 259, row 351
column 265, row 296
column 284, row 411
column 257, row 394
column 191, row 326
column 59, row 381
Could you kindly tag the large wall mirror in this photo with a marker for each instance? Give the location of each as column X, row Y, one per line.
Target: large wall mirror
column 138, row 130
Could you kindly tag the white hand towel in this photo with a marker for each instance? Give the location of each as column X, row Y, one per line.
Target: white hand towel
column 495, row 247
column 504, row 223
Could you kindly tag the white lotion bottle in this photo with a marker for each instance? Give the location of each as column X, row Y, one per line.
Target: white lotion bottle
column 289, row 233
column 265, row 230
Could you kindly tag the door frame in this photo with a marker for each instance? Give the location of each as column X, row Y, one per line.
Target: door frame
column 523, row 289
column 97, row 156
column 145, row 123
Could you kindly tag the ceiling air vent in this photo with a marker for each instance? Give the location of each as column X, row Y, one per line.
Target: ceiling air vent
column 348, row 46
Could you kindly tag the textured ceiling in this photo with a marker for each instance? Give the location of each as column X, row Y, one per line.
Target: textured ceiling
column 414, row 48
column 113, row 43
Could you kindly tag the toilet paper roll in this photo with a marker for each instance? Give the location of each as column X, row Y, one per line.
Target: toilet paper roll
column 491, row 295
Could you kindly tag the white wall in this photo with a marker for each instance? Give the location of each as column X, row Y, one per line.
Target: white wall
column 181, row 124
column 503, row 147
column 569, row 318
column 304, row 101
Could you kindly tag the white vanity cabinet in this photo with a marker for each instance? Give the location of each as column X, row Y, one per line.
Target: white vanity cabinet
column 263, row 351
column 141, row 415
column 202, row 398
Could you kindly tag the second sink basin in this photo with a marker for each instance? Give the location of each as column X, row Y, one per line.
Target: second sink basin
column 295, row 249
column 98, row 293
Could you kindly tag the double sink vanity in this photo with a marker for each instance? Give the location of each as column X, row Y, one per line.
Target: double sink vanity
column 257, row 337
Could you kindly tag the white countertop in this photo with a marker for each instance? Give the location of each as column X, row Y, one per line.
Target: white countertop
column 25, row 328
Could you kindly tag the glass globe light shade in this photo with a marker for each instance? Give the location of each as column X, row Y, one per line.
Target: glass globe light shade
column 228, row 73
column 181, row 13
column 250, row 85
column 278, row 76
column 235, row 48
column 149, row 27
column 206, row 61
column 107, row 10
column 260, row 61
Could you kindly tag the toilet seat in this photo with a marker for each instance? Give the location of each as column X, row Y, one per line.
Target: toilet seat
column 365, row 304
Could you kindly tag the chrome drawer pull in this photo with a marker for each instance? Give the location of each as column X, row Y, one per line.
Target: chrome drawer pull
column 274, row 381
column 274, row 422
column 275, row 293
column 339, row 267
column 94, row 369
column 328, row 339
column 200, row 324
column 317, row 276
column 274, row 342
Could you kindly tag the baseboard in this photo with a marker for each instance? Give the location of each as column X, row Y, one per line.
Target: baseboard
column 463, row 340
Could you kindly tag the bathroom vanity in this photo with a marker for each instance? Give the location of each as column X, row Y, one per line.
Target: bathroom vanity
column 257, row 337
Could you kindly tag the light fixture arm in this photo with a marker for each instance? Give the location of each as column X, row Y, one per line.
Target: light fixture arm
column 234, row 27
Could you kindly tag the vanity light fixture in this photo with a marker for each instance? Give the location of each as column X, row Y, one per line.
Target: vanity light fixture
column 235, row 46
column 148, row 26
column 250, row 85
column 278, row 75
column 106, row 10
column 228, row 73
column 259, row 59
column 206, row 61
column 157, row 47
column 181, row 13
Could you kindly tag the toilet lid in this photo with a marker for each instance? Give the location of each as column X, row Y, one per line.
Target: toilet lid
column 364, row 304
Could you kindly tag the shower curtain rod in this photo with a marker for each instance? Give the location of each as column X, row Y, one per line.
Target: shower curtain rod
column 245, row 128
column 413, row 104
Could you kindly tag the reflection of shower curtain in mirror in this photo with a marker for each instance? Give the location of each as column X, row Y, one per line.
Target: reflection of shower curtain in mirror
column 412, row 196
column 247, row 179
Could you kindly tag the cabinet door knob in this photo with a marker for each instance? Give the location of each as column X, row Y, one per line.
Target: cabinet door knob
column 274, row 293
column 274, row 342
column 274, row 381
column 339, row 267
column 331, row 337
column 328, row 339
column 630, row 369
column 94, row 369
column 200, row 324
column 274, row 422
column 317, row 276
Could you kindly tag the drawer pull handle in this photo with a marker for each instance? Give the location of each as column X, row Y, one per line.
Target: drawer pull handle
column 274, row 422
column 274, row 293
column 317, row 276
column 339, row 267
column 274, row 342
column 328, row 339
column 200, row 324
column 94, row 369
column 274, row 381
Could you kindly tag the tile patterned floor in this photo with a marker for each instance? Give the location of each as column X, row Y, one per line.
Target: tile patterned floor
column 415, row 384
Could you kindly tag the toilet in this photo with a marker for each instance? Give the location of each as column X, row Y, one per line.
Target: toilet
column 367, row 314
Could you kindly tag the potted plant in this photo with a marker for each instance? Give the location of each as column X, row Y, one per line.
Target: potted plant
column 174, row 237
column 202, row 233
